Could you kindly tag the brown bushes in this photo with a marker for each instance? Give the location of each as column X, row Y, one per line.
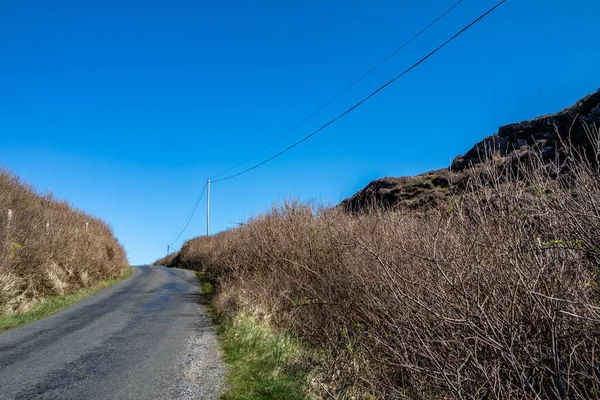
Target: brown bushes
column 48, row 248
column 493, row 295
column 171, row 259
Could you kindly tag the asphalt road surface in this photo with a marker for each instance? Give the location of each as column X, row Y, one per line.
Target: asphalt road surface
column 143, row 338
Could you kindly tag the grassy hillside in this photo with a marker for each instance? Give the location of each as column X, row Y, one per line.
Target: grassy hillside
column 492, row 294
column 48, row 248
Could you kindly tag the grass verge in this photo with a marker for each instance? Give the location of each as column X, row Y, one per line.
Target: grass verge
column 262, row 363
column 51, row 305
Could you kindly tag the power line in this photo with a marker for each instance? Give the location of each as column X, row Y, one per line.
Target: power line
column 349, row 110
column 342, row 92
column 368, row 97
column 190, row 215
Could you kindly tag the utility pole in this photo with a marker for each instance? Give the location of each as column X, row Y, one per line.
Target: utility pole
column 208, row 209
column 168, row 250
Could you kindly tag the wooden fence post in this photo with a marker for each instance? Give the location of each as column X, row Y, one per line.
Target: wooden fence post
column 9, row 218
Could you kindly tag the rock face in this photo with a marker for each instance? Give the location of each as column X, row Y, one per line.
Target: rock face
column 410, row 191
column 544, row 135
column 540, row 134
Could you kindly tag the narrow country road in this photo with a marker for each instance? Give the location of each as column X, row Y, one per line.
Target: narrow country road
column 144, row 338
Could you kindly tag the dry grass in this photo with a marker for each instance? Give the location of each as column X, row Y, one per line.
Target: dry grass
column 492, row 296
column 171, row 259
column 48, row 248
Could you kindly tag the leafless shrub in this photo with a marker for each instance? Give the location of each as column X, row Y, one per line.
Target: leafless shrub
column 170, row 260
column 493, row 295
column 48, row 248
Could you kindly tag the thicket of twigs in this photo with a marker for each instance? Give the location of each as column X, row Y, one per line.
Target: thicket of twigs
column 48, row 248
column 493, row 296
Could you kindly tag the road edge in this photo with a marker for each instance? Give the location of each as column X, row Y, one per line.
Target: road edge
column 53, row 304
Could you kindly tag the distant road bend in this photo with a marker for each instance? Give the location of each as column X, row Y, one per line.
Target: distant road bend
column 144, row 338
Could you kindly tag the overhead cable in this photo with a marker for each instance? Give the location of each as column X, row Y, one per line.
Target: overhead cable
column 342, row 92
column 355, row 106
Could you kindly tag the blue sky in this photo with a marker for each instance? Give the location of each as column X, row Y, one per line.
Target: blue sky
column 124, row 108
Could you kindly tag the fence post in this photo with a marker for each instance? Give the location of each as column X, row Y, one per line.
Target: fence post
column 9, row 218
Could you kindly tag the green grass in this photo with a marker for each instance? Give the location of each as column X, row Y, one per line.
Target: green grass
column 262, row 363
column 51, row 305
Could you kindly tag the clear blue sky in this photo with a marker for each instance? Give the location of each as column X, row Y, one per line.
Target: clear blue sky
column 124, row 108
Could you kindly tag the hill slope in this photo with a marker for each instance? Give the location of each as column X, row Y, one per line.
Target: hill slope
column 492, row 296
column 543, row 136
column 48, row 248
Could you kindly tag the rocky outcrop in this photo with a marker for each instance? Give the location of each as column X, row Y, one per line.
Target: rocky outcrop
column 545, row 135
column 413, row 192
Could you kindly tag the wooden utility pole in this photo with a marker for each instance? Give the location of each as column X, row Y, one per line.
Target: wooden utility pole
column 208, row 209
